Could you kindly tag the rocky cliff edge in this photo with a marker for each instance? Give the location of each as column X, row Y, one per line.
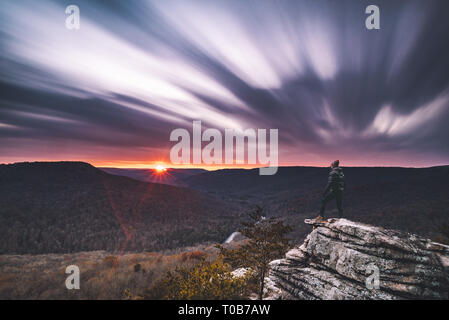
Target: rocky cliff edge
column 341, row 259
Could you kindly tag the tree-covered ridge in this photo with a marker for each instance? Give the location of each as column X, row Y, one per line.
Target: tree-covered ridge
column 70, row 206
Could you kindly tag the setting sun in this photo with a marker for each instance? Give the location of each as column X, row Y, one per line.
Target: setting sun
column 160, row 168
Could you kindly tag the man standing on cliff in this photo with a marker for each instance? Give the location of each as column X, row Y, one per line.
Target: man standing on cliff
column 334, row 189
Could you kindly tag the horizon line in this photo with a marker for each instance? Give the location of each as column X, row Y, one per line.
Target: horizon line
column 215, row 168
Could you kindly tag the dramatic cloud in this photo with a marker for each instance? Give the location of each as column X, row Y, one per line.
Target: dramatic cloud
column 111, row 92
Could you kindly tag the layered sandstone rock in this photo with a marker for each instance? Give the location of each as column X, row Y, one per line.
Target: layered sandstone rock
column 341, row 259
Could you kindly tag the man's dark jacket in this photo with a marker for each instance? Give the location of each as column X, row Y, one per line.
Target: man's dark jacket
column 336, row 181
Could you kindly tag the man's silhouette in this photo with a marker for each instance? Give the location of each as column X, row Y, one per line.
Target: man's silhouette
column 334, row 189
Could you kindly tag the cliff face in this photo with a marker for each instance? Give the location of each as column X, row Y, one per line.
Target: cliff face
column 341, row 259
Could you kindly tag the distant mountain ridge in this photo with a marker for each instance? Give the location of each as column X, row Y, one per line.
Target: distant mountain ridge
column 409, row 199
column 60, row 207
column 246, row 180
column 171, row 176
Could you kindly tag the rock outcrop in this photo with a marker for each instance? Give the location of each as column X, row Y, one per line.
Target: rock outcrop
column 341, row 259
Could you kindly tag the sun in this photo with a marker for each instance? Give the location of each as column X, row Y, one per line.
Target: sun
column 160, row 168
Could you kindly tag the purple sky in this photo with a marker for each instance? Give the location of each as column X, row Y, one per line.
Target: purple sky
column 111, row 92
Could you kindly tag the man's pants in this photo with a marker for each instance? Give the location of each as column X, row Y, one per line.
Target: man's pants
column 338, row 195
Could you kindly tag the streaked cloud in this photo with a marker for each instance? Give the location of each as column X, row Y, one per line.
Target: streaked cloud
column 137, row 69
column 391, row 123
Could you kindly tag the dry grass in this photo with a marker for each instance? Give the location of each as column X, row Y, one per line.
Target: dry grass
column 103, row 275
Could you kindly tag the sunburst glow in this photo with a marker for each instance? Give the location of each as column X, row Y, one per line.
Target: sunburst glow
column 160, row 168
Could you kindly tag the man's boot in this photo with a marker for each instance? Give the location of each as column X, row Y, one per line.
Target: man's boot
column 320, row 219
